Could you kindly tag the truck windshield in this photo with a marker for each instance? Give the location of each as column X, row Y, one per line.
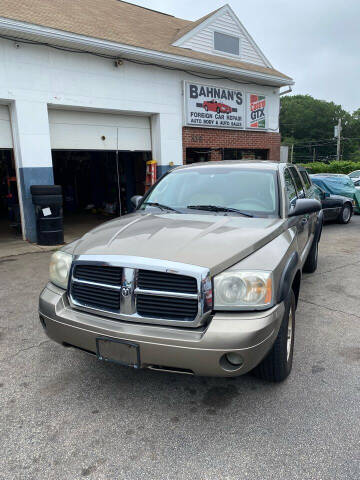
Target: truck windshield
column 220, row 189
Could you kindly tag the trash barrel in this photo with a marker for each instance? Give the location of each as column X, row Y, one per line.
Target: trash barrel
column 48, row 201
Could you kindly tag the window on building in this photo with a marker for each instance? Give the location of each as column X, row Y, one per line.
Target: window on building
column 226, row 43
column 195, row 155
column 244, row 154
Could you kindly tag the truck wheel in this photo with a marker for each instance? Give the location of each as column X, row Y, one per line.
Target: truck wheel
column 277, row 365
column 345, row 214
column 311, row 262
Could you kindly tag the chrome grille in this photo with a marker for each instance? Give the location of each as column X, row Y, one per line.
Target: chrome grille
column 168, row 282
column 141, row 290
column 98, row 274
column 184, row 309
column 95, row 296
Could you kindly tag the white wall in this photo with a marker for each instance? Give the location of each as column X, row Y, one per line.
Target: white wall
column 30, row 126
column 284, row 153
column 5, row 128
column 36, row 79
column 55, row 78
column 40, row 75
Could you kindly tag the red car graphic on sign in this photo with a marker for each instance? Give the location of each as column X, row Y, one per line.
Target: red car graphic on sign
column 214, row 106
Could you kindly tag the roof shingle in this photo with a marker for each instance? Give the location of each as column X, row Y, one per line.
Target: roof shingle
column 117, row 21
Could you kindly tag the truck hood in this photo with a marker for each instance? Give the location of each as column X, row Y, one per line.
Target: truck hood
column 212, row 241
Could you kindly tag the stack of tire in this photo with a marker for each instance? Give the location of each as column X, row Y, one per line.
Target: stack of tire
column 48, row 202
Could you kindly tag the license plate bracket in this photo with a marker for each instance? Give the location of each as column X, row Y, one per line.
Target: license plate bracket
column 117, row 351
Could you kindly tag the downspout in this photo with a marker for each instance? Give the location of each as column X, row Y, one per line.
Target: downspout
column 289, row 90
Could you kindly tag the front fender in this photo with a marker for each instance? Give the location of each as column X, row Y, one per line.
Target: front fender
column 281, row 257
column 319, row 226
column 288, row 276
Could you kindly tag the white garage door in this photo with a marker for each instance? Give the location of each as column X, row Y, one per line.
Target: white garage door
column 5, row 128
column 71, row 130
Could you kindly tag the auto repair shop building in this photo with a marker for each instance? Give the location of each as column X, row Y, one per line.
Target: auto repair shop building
column 89, row 91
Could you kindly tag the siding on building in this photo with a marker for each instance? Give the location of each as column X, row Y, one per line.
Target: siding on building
column 203, row 41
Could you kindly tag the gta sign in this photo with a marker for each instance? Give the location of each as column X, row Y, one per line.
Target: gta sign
column 218, row 107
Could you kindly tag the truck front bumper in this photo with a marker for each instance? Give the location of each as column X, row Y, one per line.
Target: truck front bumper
column 195, row 351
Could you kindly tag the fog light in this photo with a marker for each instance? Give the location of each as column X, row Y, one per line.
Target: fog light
column 234, row 358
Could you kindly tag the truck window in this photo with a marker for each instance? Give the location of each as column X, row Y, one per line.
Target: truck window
column 306, row 179
column 290, row 188
column 250, row 190
column 298, row 182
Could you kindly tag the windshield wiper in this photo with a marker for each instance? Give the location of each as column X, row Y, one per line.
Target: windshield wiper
column 161, row 206
column 215, row 208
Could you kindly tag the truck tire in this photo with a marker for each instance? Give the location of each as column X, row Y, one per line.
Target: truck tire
column 345, row 214
column 277, row 365
column 312, row 260
column 45, row 189
column 47, row 200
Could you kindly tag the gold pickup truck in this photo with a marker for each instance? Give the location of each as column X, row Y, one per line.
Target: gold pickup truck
column 203, row 278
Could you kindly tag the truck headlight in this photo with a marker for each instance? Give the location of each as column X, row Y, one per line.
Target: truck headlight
column 240, row 290
column 60, row 264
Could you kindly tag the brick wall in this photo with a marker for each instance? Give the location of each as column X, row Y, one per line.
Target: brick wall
column 218, row 139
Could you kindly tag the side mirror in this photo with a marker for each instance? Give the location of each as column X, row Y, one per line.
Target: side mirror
column 326, row 195
column 135, row 200
column 304, row 206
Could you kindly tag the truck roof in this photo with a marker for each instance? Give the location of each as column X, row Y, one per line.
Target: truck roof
column 261, row 164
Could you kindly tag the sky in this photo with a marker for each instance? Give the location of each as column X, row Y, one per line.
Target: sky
column 316, row 42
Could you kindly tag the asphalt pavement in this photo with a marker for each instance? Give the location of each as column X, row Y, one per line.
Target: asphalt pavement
column 64, row 415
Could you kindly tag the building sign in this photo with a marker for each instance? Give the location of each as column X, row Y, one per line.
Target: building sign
column 257, row 111
column 216, row 107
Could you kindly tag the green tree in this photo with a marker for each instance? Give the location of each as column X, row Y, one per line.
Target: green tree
column 353, row 140
column 308, row 123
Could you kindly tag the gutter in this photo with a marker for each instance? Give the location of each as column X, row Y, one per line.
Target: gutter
column 29, row 31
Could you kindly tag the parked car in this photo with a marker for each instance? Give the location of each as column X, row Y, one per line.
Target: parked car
column 335, row 207
column 214, row 106
column 355, row 175
column 338, row 184
column 203, row 278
